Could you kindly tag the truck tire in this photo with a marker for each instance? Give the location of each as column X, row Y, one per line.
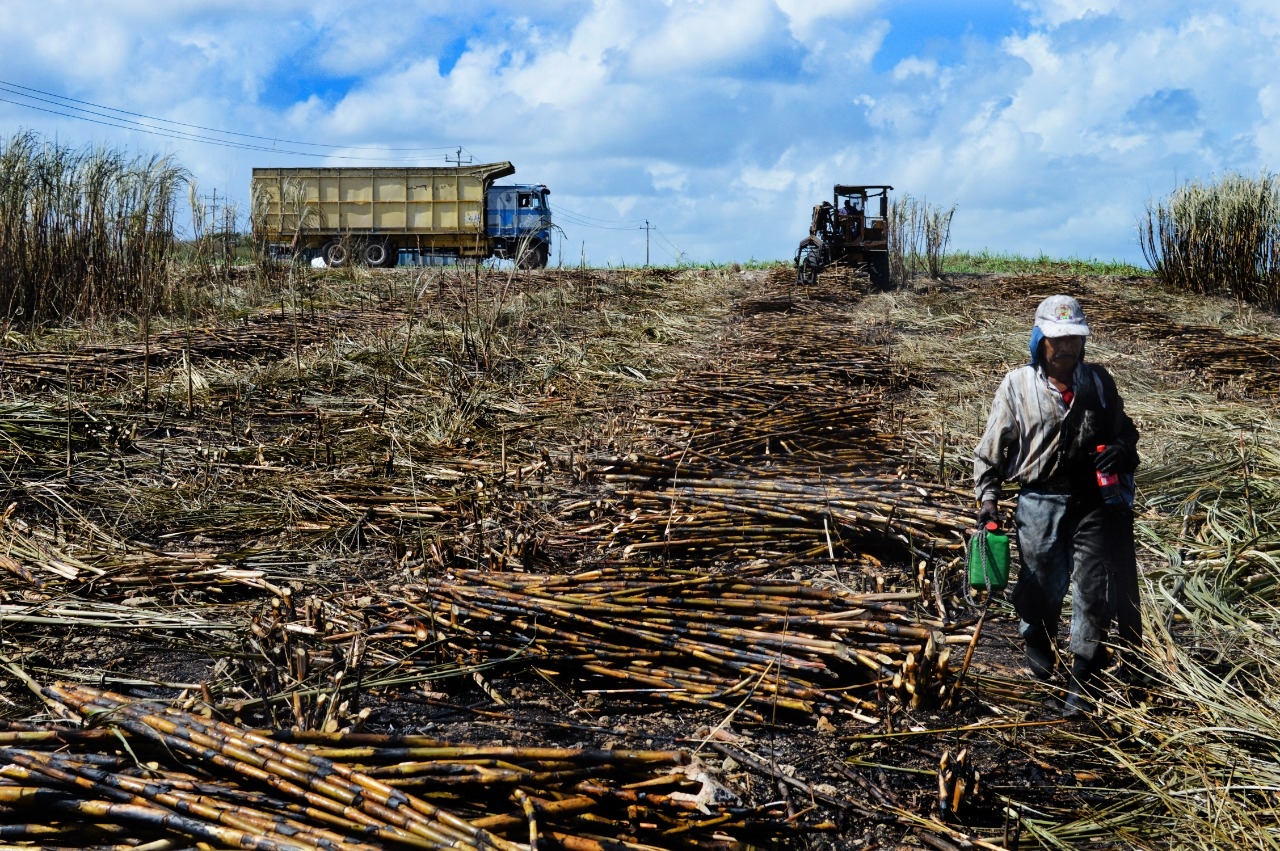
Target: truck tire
column 377, row 253
column 532, row 256
column 336, row 253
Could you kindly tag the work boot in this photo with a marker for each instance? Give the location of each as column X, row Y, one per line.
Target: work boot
column 1137, row 670
column 1040, row 657
column 1081, row 687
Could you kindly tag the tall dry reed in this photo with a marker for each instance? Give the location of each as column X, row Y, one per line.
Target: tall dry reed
column 296, row 215
column 918, row 236
column 211, row 252
column 83, row 233
column 1220, row 238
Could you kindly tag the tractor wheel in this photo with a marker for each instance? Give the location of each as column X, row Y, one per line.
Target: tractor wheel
column 879, row 271
column 808, row 265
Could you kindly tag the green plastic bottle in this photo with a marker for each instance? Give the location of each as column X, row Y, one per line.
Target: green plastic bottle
column 989, row 559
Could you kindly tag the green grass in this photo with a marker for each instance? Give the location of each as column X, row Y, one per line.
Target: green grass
column 986, row 262
column 959, row 262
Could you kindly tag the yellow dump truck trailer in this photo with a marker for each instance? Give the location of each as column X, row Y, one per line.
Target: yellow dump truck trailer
column 380, row 215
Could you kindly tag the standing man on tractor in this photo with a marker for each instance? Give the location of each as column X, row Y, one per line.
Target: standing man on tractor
column 1058, row 428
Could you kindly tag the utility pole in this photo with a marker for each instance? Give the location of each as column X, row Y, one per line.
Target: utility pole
column 646, row 230
column 458, row 160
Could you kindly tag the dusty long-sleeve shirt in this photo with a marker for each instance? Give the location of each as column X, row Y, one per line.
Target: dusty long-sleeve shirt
column 1035, row 438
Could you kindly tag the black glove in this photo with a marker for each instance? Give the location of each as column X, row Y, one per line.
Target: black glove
column 988, row 512
column 1113, row 459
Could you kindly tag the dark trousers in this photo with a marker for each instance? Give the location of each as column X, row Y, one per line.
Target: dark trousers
column 1067, row 541
column 1125, row 561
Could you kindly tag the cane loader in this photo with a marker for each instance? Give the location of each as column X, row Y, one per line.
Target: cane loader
column 850, row 230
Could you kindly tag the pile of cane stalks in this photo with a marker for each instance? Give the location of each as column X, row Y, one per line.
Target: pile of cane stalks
column 761, row 648
column 752, row 648
column 784, row 452
column 166, row 778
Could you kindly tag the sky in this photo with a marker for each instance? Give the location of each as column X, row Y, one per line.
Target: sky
column 1049, row 125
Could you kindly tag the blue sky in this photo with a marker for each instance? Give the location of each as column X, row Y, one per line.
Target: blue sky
column 1049, row 124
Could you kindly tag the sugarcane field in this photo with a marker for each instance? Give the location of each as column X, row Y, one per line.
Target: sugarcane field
column 328, row 556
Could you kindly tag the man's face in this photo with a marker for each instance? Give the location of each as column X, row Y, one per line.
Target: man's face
column 1063, row 352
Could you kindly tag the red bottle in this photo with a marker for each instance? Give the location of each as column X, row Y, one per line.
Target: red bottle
column 1109, row 484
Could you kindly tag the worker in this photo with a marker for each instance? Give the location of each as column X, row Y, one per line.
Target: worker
column 1046, row 425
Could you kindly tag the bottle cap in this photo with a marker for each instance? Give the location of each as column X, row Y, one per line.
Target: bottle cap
column 992, row 526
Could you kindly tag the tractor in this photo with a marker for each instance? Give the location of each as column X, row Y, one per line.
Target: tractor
column 848, row 232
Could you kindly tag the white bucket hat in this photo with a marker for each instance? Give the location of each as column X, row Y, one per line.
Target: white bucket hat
column 1061, row 316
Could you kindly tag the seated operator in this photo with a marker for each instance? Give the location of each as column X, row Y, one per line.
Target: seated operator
column 852, row 218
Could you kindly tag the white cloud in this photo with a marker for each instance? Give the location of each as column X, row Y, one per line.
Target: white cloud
column 807, row 17
column 915, row 67
column 708, row 117
column 1267, row 133
column 706, row 35
column 668, row 177
column 766, row 180
column 1057, row 12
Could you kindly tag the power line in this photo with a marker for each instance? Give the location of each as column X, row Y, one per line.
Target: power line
column 118, row 123
column 621, row 222
column 566, row 216
column 20, row 91
column 677, row 253
column 563, row 214
column 156, row 132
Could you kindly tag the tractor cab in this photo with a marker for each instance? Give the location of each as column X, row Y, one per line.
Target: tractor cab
column 861, row 214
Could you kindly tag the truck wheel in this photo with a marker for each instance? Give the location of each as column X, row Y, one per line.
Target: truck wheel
column 377, row 254
column 532, row 256
column 336, row 254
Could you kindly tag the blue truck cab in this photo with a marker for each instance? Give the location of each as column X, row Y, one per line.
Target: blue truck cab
column 519, row 224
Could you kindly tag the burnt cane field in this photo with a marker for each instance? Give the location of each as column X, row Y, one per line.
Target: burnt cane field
column 465, row 557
